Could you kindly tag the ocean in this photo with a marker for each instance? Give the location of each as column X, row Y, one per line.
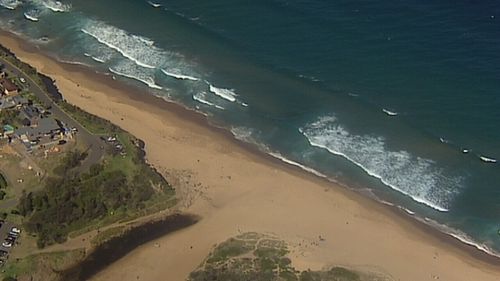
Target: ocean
column 399, row 100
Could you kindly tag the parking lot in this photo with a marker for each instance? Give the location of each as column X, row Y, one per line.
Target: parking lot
column 5, row 233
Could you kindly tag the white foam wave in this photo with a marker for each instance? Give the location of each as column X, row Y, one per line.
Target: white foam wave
column 459, row 235
column 246, row 135
column 390, row 113
column 98, row 59
column 487, row 159
column 55, row 6
column 146, row 41
column 201, row 98
column 179, row 76
column 305, row 168
column 408, row 211
column 227, row 94
column 155, row 5
column 144, row 79
column 95, row 58
column 136, row 48
column 413, row 176
column 10, row 4
column 32, row 15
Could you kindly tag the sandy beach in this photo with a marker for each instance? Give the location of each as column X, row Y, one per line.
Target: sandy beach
column 235, row 190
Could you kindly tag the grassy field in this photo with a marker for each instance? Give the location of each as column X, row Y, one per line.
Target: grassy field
column 92, row 123
column 107, row 234
column 42, row 266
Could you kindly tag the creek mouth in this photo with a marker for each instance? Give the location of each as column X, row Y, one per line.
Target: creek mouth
column 117, row 247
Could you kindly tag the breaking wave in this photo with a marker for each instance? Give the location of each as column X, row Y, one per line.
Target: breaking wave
column 179, row 76
column 132, row 71
column 416, row 177
column 487, row 159
column 202, row 98
column 227, row 94
column 138, row 49
column 390, row 113
column 154, row 5
column 10, row 4
column 55, row 6
column 32, row 15
column 460, row 235
column 100, row 60
column 297, row 164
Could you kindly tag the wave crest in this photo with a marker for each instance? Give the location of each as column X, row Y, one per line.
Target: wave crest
column 136, row 48
column 227, row 94
column 419, row 178
column 10, row 4
column 132, row 71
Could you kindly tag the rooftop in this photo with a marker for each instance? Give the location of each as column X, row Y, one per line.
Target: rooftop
column 45, row 126
column 8, row 85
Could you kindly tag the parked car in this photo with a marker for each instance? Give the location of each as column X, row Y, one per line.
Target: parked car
column 7, row 244
column 22, row 80
column 3, row 253
column 15, row 230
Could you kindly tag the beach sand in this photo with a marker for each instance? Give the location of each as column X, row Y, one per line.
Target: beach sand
column 235, row 190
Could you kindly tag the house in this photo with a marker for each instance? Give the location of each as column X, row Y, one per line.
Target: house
column 8, row 130
column 8, row 87
column 46, row 132
column 12, row 101
column 29, row 116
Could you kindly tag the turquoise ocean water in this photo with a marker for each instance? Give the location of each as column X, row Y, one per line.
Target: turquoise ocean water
column 399, row 99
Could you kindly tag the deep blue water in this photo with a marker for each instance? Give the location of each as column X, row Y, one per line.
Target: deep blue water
column 386, row 96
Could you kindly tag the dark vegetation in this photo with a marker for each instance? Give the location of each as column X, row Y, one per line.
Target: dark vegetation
column 122, row 186
column 3, row 185
column 71, row 200
column 256, row 257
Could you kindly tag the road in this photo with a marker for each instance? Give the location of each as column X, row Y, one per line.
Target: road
column 91, row 141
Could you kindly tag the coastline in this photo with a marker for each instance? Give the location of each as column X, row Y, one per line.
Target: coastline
column 173, row 118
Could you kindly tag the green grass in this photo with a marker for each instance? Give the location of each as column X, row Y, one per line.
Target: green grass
column 107, row 234
column 30, row 265
column 230, row 248
column 92, row 123
column 125, row 163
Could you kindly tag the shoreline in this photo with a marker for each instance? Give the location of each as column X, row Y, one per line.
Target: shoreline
column 192, row 115
column 254, row 154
